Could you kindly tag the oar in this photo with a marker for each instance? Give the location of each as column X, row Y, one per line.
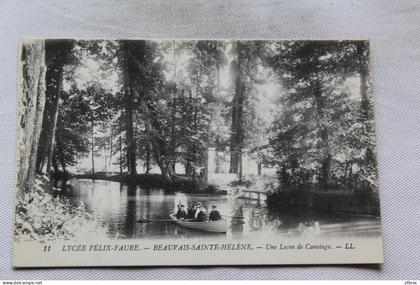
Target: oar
column 152, row 221
column 234, row 217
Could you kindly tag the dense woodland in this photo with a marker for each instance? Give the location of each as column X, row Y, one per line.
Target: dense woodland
column 303, row 107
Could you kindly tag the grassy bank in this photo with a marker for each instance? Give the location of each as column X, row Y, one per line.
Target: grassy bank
column 353, row 202
column 181, row 183
column 41, row 215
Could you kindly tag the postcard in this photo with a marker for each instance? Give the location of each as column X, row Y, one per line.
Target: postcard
column 195, row 152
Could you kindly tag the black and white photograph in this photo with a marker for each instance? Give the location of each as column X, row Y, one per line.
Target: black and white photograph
column 233, row 149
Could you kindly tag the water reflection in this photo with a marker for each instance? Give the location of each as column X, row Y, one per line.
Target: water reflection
column 119, row 207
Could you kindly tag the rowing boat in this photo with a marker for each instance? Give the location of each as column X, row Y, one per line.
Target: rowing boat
column 210, row 226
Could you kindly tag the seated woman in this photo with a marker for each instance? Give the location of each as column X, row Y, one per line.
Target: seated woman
column 191, row 212
column 202, row 216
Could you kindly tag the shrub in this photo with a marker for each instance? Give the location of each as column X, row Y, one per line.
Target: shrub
column 40, row 216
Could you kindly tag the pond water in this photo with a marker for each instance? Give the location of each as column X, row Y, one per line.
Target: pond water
column 119, row 207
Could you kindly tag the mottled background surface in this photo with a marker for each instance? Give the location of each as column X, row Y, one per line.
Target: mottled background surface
column 394, row 30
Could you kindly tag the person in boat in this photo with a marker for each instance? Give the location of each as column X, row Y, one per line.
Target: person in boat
column 197, row 209
column 214, row 214
column 202, row 216
column 181, row 214
column 191, row 212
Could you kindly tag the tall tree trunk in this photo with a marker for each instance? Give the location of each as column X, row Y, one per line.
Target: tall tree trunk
column 363, row 72
column 351, row 175
column 237, row 128
column 194, row 147
column 218, row 80
column 54, row 77
column 218, row 98
column 131, row 143
column 148, row 158
column 187, row 168
column 53, row 124
column 57, row 54
column 104, row 148
column 110, row 149
column 370, row 156
column 173, row 108
column 164, row 166
column 218, row 164
column 105, row 160
column 325, row 176
column 43, row 147
column 157, row 145
column 135, row 63
column 259, row 168
column 40, row 104
column 173, row 131
column 92, row 137
column 121, row 155
column 30, row 111
column 148, row 150
column 63, row 165
column 55, row 165
column 58, row 151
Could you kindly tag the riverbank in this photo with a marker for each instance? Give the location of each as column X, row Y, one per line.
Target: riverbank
column 43, row 216
column 361, row 203
column 181, row 184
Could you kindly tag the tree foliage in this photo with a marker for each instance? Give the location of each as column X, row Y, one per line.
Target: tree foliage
column 321, row 137
column 302, row 106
